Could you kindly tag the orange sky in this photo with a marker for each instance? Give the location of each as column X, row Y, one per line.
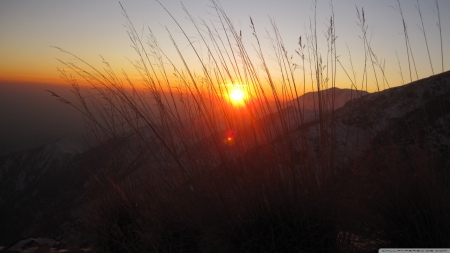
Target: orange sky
column 90, row 29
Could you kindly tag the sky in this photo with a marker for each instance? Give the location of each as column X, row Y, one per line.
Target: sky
column 89, row 29
column 30, row 30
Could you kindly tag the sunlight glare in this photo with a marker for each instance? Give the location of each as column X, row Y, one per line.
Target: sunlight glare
column 237, row 96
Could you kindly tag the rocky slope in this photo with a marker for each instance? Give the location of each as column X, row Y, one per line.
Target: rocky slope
column 412, row 116
column 39, row 189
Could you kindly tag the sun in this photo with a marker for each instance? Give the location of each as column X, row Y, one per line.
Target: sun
column 237, row 96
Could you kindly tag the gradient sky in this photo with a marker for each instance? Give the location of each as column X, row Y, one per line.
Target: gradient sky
column 92, row 28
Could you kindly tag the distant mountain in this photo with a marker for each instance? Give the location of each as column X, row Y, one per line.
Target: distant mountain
column 332, row 98
column 305, row 108
column 42, row 189
column 412, row 116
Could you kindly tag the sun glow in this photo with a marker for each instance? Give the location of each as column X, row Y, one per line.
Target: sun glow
column 237, row 96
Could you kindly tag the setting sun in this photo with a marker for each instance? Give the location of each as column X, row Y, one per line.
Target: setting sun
column 237, row 96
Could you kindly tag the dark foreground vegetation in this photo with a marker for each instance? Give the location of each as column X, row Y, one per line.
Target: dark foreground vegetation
column 170, row 180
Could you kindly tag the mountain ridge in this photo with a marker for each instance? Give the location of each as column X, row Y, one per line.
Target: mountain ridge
column 52, row 177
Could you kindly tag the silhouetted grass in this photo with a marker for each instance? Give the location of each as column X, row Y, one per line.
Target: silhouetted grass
column 168, row 180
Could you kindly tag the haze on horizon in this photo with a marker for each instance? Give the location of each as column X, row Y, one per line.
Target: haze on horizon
column 29, row 29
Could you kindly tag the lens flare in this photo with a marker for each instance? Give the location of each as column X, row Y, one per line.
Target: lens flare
column 230, row 136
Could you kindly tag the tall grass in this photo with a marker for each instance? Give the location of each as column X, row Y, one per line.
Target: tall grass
column 182, row 170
